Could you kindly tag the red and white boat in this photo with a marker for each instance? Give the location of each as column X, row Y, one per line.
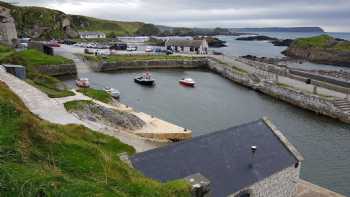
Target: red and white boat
column 82, row 82
column 187, row 82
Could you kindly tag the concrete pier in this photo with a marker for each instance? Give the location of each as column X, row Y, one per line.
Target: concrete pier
column 155, row 128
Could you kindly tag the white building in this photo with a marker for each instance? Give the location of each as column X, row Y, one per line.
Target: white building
column 92, row 35
column 188, row 46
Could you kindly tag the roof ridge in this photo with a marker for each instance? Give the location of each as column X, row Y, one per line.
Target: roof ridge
column 291, row 148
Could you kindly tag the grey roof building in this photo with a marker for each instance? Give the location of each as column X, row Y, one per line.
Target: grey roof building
column 253, row 159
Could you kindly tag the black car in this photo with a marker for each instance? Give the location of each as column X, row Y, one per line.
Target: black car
column 119, row 47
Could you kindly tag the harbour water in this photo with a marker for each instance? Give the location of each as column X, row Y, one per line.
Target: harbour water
column 217, row 104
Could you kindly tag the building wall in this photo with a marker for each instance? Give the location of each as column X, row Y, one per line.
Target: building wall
column 281, row 184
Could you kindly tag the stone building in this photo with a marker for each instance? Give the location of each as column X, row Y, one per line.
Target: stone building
column 251, row 160
column 188, row 46
column 8, row 32
column 92, row 35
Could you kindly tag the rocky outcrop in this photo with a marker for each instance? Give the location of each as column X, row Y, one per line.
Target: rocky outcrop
column 322, row 49
column 319, row 55
column 274, row 41
column 8, row 32
column 114, row 118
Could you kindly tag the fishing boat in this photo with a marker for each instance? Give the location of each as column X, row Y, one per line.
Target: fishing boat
column 145, row 79
column 187, row 82
column 113, row 92
column 82, row 82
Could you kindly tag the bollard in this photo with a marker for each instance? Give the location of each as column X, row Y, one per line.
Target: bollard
column 315, row 90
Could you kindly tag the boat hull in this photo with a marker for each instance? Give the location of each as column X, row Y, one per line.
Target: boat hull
column 145, row 82
column 189, row 84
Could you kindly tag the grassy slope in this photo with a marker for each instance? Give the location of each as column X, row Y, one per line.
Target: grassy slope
column 323, row 42
column 99, row 95
column 43, row 159
column 31, row 59
column 83, row 23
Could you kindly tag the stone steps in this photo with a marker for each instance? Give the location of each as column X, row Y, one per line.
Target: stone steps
column 343, row 105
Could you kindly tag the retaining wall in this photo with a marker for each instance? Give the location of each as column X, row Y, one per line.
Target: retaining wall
column 58, row 70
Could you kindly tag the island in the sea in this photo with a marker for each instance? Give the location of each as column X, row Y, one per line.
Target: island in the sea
column 321, row 49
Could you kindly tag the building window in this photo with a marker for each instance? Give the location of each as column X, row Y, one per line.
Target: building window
column 245, row 193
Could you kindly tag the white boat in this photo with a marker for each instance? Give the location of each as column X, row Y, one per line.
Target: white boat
column 113, row 92
column 187, row 82
column 82, row 82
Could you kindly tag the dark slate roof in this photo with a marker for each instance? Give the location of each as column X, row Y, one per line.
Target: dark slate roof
column 184, row 43
column 224, row 157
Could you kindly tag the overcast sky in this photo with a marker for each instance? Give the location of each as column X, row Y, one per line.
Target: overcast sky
column 332, row 15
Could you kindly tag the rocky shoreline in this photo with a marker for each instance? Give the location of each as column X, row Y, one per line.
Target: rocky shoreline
column 274, row 41
column 322, row 49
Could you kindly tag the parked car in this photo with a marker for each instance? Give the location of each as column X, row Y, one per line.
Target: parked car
column 131, row 48
column 69, row 42
column 158, row 50
column 169, row 52
column 102, row 52
column 53, row 43
column 121, row 47
column 89, row 51
column 149, row 49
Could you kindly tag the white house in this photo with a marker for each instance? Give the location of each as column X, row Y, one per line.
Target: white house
column 92, row 35
column 188, row 46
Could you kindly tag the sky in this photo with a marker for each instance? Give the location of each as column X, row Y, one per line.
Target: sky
column 331, row 15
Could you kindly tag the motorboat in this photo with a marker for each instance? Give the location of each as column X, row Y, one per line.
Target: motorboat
column 113, row 92
column 145, row 79
column 187, row 82
column 82, row 82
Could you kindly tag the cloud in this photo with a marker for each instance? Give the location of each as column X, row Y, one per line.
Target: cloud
column 332, row 15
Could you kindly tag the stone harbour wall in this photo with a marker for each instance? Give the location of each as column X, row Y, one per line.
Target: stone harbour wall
column 58, row 70
column 152, row 64
column 281, row 184
column 295, row 97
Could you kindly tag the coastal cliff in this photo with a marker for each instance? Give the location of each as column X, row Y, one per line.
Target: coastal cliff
column 321, row 49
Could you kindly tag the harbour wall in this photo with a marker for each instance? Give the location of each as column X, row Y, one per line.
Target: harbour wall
column 317, row 80
column 293, row 96
column 149, row 64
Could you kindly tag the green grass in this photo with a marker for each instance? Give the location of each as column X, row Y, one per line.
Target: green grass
column 53, row 87
column 31, row 59
column 127, row 58
column 76, row 105
column 99, row 95
column 322, row 42
column 107, row 26
column 42, row 159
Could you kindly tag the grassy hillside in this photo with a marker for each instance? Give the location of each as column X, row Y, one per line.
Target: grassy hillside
column 43, row 159
column 322, row 42
column 31, row 59
column 44, row 23
column 83, row 23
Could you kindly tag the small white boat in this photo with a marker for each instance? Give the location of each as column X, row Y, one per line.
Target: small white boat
column 82, row 82
column 113, row 92
column 187, row 82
